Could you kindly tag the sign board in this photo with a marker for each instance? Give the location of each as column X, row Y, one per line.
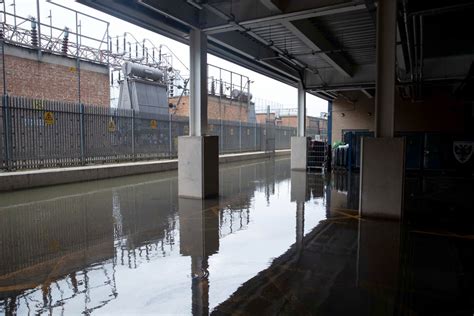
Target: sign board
column 111, row 126
column 153, row 124
column 48, row 118
column 463, row 150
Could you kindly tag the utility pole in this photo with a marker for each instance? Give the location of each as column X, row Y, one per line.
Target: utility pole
column 38, row 13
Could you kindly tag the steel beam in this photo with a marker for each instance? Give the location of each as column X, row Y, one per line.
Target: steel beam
column 312, row 37
column 284, row 17
column 436, row 69
column 315, row 40
column 367, row 93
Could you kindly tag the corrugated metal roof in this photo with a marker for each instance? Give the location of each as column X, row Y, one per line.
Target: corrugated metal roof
column 354, row 32
column 351, row 32
column 288, row 42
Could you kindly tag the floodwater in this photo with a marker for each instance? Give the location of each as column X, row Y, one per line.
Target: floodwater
column 275, row 242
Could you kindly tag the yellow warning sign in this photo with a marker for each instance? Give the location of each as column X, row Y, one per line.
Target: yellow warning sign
column 153, row 124
column 48, row 118
column 72, row 69
column 111, row 126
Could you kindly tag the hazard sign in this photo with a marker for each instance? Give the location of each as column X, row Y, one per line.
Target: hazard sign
column 153, row 124
column 48, row 118
column 111, row 126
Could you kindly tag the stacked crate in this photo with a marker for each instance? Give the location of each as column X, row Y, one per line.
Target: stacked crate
column 317, row 153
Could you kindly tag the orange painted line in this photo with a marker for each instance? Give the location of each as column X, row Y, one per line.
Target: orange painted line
column 344, row 212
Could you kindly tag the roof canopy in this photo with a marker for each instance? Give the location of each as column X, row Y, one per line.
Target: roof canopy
column 329, row 44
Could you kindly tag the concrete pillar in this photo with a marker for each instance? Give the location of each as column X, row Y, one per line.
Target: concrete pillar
column 198, row 153
column 198, row 83
column 301, row 111
column 385, row 59
column 378, row 261
column 382, row 158
column 199, row 239
column 299, row 194
column 299, row 144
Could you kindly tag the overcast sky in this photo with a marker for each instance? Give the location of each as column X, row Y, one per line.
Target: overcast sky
column 262, row 88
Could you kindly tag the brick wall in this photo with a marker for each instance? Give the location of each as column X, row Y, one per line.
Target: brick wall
column 262, row 118
column 230, row 110
column 311, row 121
column 54, row 78
column 439, row 112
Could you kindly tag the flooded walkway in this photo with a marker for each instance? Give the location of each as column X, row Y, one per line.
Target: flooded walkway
column 275, row 242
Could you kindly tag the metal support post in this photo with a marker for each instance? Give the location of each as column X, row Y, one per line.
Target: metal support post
column 301, row 130
column 221, row 137
column 133, row 134
column 38, row 12
column 78, row 62
column 7, row 135
column 329, row 124
column 170, row 134
column 255, row 135
column 198, row 88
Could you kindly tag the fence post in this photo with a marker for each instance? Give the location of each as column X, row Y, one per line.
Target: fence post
column 221, row 137
column 7, row 134
column 240, row 135
column 133, row 134
column 82, row 133
column 170, row 134
column 255, row 137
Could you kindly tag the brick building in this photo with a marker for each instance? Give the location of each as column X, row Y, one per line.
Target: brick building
column 54, row 77
column 228, row 109
column 314, row 125
column 262, row 118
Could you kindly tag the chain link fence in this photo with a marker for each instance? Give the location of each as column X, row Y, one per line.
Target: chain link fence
column 42, row 134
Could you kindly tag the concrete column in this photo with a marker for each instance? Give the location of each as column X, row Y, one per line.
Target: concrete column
column 198, row 83
column 385, row 58
column 378, row 260
column 299, row 194
column 299, row 144
column 301, row 111
column 199, row 239
column 198, row 154
column 382, row 158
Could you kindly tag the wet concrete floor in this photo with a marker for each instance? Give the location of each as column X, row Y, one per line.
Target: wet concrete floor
column 275, row 242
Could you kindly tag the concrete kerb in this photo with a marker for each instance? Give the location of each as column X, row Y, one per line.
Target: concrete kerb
column 10, row 181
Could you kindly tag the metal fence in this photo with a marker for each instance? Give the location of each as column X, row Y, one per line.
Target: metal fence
column 41, row 134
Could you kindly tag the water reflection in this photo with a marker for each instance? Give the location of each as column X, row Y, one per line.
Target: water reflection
column 274, row 242
column 98, row 245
